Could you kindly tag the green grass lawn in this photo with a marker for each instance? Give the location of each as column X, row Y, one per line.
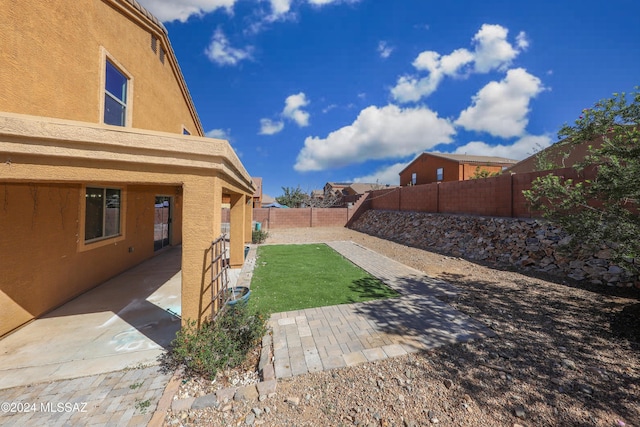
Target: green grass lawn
column 293, row 277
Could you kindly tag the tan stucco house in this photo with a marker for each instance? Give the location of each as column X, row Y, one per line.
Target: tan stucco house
column 100, row 148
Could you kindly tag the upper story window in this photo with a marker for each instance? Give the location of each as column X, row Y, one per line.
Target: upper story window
column 185, row 131
column 439, row 174
column 414, row 178
column 115, row 97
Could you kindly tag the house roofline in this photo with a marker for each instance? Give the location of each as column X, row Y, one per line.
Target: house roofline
column 445, row 156
column 143, row 17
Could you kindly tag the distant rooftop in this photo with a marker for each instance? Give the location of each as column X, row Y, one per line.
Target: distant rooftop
column 467, row 158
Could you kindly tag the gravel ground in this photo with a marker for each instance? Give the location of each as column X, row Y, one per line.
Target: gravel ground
column 563, row 356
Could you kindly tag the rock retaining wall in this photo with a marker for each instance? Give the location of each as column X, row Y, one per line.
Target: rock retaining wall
column 523, row 243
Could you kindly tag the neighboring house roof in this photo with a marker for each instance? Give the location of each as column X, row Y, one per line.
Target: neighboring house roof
column 562, row 154
column 362, row 187
column 467, row 159
column 317, row 193
column 336, row 186
column 267, row 199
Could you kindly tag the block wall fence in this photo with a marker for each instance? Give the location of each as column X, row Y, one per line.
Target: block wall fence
column 499, row 196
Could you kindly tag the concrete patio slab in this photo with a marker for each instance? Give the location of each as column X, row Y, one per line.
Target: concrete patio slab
column 125, row 322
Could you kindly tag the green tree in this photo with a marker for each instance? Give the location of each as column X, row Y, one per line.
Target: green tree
column 292, row 197
column 483, row 173
column 603, row 210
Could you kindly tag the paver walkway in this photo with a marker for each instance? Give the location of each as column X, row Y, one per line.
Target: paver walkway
column 121, row 398
column 323, row 338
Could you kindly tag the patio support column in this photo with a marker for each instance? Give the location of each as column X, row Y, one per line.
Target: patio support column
column 201, row 225
column 237, row 235
column 248, row 218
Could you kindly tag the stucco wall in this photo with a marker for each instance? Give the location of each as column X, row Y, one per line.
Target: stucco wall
column 53, row 52
column 41, row 224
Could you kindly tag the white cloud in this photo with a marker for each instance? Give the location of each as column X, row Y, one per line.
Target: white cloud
column 387, row 175
column 491, row 51
column 384, row 49
column 501, row 108
column 181, row 10
column 329, row 108
column 293, row 109
column 522, row 41
column 219, row 133
column 293, row 105
column 270, row 127
column 221, row 52
column 376, row 133
column 412, row 89
column 325, row 2
column 280, row 7
column 519, row 150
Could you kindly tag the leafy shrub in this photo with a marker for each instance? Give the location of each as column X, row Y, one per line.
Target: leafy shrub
column 216, row 345
column 259, row 236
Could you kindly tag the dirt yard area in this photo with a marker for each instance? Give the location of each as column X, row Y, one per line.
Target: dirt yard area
column 564, row 355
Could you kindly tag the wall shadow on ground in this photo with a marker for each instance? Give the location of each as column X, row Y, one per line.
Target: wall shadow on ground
column 560, row 341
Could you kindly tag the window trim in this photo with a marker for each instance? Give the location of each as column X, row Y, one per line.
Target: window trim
column 105, row 56
column 85, row 245
column 439, row 174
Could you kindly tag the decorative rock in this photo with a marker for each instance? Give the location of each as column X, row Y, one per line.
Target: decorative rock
column 295, row 401
column 518, row 411
column 250, row 419
column 528, row 243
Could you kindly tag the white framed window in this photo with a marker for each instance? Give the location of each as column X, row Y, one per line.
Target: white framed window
column 414, row 178
column 102, row 214
column 185, row 131
column 439, row 174
column 116, row 88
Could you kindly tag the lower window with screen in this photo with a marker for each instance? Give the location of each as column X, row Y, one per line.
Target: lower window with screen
column 102, row 213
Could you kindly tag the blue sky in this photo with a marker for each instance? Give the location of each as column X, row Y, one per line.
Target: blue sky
column 310, row 91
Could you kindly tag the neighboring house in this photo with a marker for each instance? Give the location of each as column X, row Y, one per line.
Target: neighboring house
column 267, row 200
column 102, row 157
column 335, row 188
column 317, row 194
column 441, row 167
column 257, row 196
column 359, row 188
column 562, row 154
